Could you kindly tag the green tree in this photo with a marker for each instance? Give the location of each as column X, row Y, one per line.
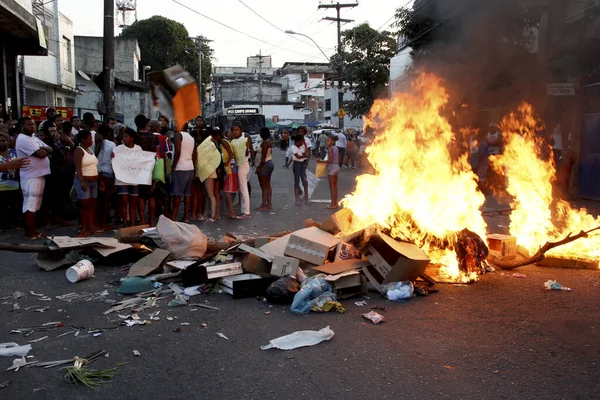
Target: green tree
column 366, row 58
column 164, row 42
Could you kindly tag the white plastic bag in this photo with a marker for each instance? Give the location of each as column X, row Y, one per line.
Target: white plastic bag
column 182, row 240
column 13, row 349
column 299, row 339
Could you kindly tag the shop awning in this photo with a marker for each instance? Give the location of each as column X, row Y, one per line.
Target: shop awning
column 20, row 31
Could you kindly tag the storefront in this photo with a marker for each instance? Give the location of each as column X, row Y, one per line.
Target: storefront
column 20, row 34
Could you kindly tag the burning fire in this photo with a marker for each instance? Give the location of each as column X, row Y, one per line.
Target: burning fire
column 421, row 194
column 417, row 190
column 529, row 170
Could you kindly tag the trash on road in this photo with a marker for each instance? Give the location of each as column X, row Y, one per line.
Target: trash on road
column 374, row 317
column 219, row 334
column 554, row 285
column 13, row 349
column 299, row 339
column 79, row 373
column 136, row 353
column 398, row 291
column 83, row 270
column 517, row 275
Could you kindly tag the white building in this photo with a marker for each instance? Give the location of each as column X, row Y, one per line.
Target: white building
column 50, row 80
column 332, row 106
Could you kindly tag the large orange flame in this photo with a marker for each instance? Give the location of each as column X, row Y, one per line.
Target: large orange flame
column 417, row 190
column 421, row 194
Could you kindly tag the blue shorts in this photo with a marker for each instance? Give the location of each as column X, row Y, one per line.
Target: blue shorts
column 92, row 191
column 128, row 189
column 181, row 183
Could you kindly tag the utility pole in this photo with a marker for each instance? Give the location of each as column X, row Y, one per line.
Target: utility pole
column 200, row 40
column 340, row 65
column 260, row 81
column 109, row 59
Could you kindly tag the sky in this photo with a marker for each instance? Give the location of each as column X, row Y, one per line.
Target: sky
column 231, row 47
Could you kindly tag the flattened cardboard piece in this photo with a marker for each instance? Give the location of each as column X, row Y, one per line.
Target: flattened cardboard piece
column 111, row 246
column 132, row 231
column 51, row 260
column 261, row 241
column 180, row 264
column 245, row 285
column 151, row 263
column 277, row 246
column 67, row 242
column 312, row 245
column 393, row 261
column 346, row 251
column 256, row 252
column 283, row 266
column 310, row 222
column 341, row 221
column 341, row 266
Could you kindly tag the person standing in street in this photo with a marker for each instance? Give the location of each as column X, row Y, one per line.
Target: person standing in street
column 333, row 169
column 148, row 142
column 128, row 194
column 322, row 145
column 86, row 183
column 199, row 134
column 106, row 175
column 9, row 184
column 33, row 175
column 341, row 145
column 76, row 123
column 299, row 156
column 265, row 168
column 184, row 160
column 242, row 147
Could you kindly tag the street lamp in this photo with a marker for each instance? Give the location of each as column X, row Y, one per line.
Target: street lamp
column 290, row 32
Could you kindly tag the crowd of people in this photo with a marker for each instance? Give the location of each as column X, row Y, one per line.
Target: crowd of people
column 56, row 171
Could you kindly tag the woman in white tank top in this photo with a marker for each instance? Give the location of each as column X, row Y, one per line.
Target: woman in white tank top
column 86, row 183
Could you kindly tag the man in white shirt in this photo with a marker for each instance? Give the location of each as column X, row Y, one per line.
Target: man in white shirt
column 76, row 122
column 33, row 175
column 341, row 145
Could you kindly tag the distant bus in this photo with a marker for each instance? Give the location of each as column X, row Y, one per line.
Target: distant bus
column 250, row 118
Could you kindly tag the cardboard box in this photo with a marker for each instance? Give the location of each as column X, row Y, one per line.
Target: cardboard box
column 283, row 266
column 503, row 247
column 338, row 267
column 346, row 251
column 349, row 284
column 312, row 245
column 341, row 221
column 393, row 261
column 277, row 246
column 245, row 285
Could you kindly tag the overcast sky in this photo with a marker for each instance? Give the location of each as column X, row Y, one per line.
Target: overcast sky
column 232, row 48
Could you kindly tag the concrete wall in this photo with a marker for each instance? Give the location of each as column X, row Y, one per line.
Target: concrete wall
column 89, row 57
column 67, row 51
column 248, row 91
column 26, row 4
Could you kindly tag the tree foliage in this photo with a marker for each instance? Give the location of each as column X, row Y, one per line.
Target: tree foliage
column 366, row 57
column 164, row 42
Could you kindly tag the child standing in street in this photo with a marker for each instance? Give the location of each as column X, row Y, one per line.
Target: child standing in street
column 299, row 154
column 333, row 169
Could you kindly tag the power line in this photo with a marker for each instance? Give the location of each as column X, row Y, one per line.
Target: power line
column 234, row 29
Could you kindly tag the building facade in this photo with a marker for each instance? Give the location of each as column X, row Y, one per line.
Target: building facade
column 50, row 80
column 132, row 95
column 20, row 34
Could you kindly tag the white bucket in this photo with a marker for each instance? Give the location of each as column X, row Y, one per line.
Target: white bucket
column 84, row 269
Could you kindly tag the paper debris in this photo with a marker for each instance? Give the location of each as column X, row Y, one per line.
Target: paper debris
column 31, row 292
column 299, row 339
column 17, row 295
column 360, row 303
column 38, row 340
column 136, row 353
column 219, row 334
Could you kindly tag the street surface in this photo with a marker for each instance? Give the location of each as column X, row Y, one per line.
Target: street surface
column 500, row 338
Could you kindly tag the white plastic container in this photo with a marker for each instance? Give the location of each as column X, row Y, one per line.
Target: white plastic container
column 84, row 269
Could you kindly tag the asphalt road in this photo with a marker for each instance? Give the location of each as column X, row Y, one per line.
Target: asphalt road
column 500, row 338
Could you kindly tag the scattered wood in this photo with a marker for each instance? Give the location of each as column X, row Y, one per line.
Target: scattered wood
column 24, row 248
column 540, row 254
